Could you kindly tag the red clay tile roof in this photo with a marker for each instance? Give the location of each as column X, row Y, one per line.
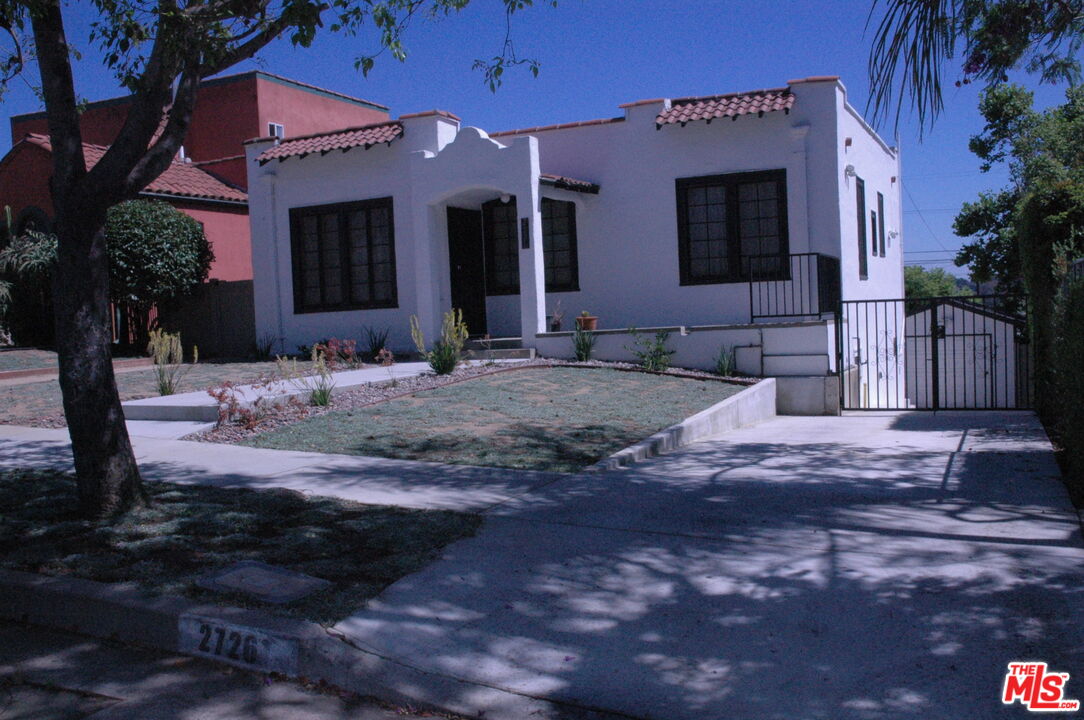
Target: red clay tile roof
column 566, row 183
column 182, row 179
column 732, row 105
column 365, row 136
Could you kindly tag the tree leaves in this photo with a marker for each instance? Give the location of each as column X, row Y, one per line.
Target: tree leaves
column 915, row 39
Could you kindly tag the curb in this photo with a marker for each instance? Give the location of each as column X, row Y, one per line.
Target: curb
column 297, row 649
column 753, row 405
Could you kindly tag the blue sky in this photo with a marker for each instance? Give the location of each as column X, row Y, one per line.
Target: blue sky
column 596, row 54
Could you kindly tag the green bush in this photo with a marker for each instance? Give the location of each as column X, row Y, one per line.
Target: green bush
column 155, row 252
column 725, row 361
column 447, row 352
column 169, row 367
column 651, row 353
column 583, row 343
column 1066, row 379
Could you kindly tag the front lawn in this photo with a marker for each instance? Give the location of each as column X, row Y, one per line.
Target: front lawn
column 559, row 419
column 26, row 359
column 39, row 403
column 190, row 530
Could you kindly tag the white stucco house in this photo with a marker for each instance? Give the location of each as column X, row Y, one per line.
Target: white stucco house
column 738, row 220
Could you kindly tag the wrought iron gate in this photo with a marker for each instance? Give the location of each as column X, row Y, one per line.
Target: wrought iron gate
column 938, row 353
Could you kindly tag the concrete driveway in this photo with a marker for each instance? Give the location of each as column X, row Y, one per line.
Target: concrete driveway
column 872, row 566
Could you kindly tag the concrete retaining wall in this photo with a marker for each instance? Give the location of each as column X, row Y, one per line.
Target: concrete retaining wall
column 816, row 395
column 749, row 407
column 797, row 348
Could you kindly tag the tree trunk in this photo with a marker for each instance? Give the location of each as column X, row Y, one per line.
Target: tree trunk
column 105, row 466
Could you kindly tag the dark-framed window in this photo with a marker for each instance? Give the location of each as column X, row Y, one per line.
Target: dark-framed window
column 732, row 228
column 559, row 245
column 502, row 247
column 881, row 222
column 344, row 256
column 863, row 258
column 873, row 230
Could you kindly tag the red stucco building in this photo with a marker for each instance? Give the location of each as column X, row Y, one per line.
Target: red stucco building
column 206, row 181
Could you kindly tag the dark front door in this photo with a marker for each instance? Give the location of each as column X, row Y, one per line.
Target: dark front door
column 468, row 272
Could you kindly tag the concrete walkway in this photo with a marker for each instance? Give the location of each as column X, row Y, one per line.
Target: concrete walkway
column 873, row 566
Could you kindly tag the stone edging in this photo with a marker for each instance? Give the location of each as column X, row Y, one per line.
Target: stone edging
column 750, row 406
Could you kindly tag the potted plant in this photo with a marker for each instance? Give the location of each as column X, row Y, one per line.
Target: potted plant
column 556, row 318
column 586, row 321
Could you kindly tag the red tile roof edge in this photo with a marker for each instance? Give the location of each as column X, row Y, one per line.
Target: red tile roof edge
column 325, row 133
column 559, row 126
column 563, row 182
column 428, row 113
column 159, row 186
column 720, row 96
column 304, row 145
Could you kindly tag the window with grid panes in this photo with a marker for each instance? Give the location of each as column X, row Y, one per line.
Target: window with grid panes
column 559, row 245
column 732, row 228
column 344, row 256
column 501, row 247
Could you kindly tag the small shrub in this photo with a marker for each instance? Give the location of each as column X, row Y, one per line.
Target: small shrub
column 169, row 369
column 447, row 352
column 264, row 346
column 724, row 361
column 375, row 341
column 230, row 409
column 583, row 343
column 337, row 353
column 317, row 380
column 651, row 353
column 385, row 357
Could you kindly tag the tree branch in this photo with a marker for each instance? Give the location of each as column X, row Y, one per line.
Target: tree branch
column 58, row 88
column 159, row 155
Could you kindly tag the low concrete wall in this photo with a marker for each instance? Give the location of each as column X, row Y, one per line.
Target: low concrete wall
column 815, row 395
column 749, row 407
column 797, row 348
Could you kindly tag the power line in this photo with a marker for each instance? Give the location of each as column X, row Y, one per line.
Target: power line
column 922, row 217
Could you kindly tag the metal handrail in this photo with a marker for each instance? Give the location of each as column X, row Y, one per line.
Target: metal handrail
column 791, row 286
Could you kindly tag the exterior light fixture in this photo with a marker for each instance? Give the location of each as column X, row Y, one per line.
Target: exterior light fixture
column 505, row 197
column 849, row 171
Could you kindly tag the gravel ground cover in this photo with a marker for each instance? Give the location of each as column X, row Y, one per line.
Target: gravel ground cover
column 190, row 530
column 26, row 359
column 39, row 404
column 556, row 417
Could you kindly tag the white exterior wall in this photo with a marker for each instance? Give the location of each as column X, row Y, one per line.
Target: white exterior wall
column 275, row 188
column 626, row 235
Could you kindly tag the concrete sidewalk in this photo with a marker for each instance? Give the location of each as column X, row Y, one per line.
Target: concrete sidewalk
column 874, row 566
column 379, row 481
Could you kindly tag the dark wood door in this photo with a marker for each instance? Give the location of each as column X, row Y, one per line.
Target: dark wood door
column 468, row 272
